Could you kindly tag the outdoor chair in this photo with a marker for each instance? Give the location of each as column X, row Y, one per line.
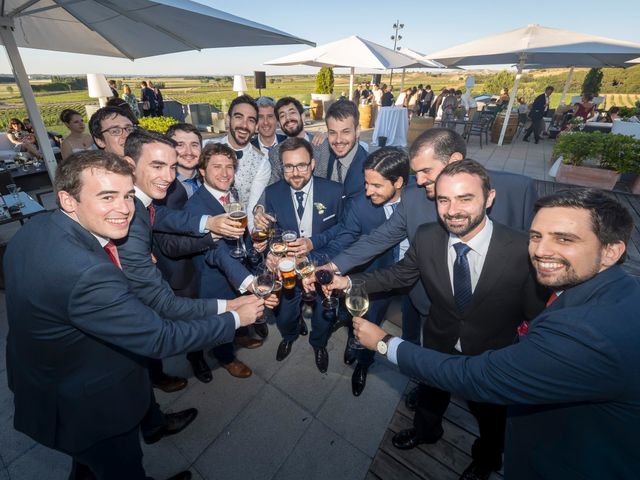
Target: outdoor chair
column 481, row 128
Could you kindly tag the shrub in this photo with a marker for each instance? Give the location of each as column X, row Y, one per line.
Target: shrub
column 157, row 124
column 593, row 81
column 324, row 80
column 605, row 150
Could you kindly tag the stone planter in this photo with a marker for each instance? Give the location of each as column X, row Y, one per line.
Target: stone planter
column 587, row 176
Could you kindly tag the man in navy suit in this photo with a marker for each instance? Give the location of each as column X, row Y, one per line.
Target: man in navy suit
column 308, row 205
column 77, row 334
column 267, row 138
column 539, row 108
column 571, row 384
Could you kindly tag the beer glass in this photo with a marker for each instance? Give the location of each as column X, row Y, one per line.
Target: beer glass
column 238, row 213
column 278, row 246
column 287, row 268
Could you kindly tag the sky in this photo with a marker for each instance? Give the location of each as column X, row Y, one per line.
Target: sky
column 426, row 29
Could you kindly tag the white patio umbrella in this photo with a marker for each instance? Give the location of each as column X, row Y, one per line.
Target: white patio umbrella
column 421, row 62
column 119, row 28
column 540, row 46
column 351, row 52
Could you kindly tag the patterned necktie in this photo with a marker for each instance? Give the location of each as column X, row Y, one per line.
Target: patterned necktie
column 339, row 170
column 396, row 249
column 194, row 184
column 152, row 213
column 112, row 251
column 300, row 209
column 461, row 277
column 224, row 199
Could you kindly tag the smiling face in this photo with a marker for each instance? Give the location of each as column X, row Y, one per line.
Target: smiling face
column 266, row 122
column 156, row 169
column 242, row 125
column 111, row 143
column 105, row 203
column 296, row 161
column 427, row 168
column 381, row 190
column 219, row 173
column 188, row 149
column 462, row 205
column 290, row 120
column 343, row 135
column 563, row 248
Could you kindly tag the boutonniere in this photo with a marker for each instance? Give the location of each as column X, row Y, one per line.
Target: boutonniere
column 319, row 207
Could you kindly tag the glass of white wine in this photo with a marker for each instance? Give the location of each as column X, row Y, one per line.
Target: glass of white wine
column 263, row 283
column 357, row 302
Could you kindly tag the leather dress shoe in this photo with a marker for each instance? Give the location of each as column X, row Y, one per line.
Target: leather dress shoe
column 237, row 369
column 201, row 369
column 170, row 384
column 304, row 331
column 261, row 329
column 322, row 358
column 350, row 354
column 408, row 439
column 358, row 380
column 284, row 349
column 245, row 341
column 186, row 475
column 174, row 423
column 411, row 399
column 476, row 471
column 525, row 139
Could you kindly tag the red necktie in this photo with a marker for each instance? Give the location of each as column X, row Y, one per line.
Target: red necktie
column 112, row 251
column 152, row 213
column 224, row 199
column 552, row 298
column 523, row 328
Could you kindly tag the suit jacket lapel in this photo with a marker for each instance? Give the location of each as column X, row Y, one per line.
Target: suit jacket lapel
column 441, row 267
column 494, row 264
column 332, row 161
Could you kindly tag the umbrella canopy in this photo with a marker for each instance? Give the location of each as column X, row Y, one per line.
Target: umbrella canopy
column 421, row 62
column 539, row 46
column 119, row 28
column 352, row 52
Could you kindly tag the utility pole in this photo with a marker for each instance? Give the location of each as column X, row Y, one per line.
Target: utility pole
column 396, row 38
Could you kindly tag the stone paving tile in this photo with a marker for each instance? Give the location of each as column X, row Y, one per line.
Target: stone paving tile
column 322, row 454
column 40, row 463
column 163, row 459
column 263, row 360
column 258, row 441
column 351, row 416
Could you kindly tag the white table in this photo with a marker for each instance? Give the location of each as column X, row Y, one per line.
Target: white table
column 393, row 123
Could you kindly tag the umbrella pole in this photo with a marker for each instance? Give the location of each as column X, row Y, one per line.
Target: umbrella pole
column 352, row 74
column 512, row 98
column 566, row 86
column 6, row 34
column 402, row 79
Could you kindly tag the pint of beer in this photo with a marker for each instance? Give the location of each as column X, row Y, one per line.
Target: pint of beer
column 240, row 216
column 287, row 270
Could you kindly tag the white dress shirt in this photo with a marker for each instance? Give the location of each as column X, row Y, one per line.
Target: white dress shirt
column 388, row 211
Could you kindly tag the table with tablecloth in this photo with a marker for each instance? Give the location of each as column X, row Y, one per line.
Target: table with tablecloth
column 393, row 123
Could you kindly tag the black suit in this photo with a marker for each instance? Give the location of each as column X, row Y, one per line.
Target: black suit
column 537, row 113
column 506, row 294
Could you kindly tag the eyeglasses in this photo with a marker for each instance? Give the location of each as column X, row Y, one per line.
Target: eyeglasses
column 117, row 131
column 302, row 168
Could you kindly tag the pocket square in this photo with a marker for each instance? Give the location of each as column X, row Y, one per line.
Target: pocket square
column 327, row 218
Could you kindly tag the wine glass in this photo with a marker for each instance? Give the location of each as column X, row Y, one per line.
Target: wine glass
column 238, row 213
column 14, row 190
column 357, row 303
column 325, row 277
column 305, row 268
column 263, row 284
column 277, row 245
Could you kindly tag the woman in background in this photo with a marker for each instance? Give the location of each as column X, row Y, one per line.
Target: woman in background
column 130, row 98
column 77, row 140
column 22, row 139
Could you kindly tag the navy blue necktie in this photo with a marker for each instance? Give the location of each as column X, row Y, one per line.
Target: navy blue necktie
column 462, row 292
column 396, row 249
column 194, row 184
column 300, row 209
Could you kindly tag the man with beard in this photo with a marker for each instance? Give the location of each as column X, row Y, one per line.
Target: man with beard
column 267, row 137
column 254, row 170
column 571, row 383
column 475, row 271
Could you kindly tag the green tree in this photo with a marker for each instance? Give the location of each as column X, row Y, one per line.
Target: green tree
column 496, row 82
column 593, row 81
column 324, row 80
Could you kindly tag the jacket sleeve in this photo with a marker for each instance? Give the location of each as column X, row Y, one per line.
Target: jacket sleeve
column 177, row 221
column 179, row 246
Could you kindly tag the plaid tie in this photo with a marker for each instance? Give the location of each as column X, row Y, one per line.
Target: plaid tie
column 462, row 277
column 112, row 251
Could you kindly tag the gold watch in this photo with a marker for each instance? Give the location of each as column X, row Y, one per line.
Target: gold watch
column 383, row 345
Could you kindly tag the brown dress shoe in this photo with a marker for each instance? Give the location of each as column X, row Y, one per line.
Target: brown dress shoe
column 246, row 341
column 170, row 384
column 237, row 369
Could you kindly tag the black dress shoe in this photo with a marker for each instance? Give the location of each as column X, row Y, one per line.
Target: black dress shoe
column 476, row 471
column 174, row 423
column 170, row 384
column 304, row 331
column 284, row 349
column 201, row 369
column 408, row 439
column 358, row 380
column 186, row 475
column 525, row 139
column 350, row 354
column 261, row 329
column 411, row 400
column 322, row 359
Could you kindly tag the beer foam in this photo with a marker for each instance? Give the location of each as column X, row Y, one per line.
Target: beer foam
column 286, row 265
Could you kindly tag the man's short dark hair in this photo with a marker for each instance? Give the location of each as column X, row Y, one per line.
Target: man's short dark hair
column 550, row 87
column 390, row 162
column 211, row 149
column 444, row 141
column 248, row 99
column 611, row 222
column 184, row 127
column 69, row 170
column 95, row 122
column 342, row 110
column 138, row 139
column 286, row 101
column 295, row 143
column 471, row 167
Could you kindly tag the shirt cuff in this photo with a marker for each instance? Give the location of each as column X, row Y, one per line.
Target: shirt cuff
column 245, row 284
column 222, row 306
column 236, row 317
column 203, row 224
column 392, row 351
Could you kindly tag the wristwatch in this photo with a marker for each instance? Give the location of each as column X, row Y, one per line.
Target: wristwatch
column 383, row 345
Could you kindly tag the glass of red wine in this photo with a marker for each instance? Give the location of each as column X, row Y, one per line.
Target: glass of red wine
column 324, row 276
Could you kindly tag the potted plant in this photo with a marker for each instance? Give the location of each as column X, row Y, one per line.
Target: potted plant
column 323, row 95
column 593, row 159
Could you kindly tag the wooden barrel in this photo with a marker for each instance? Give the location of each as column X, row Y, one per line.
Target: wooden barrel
column 365, row 116
column 417, row 126
column 315, row 111
column 512, row 128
